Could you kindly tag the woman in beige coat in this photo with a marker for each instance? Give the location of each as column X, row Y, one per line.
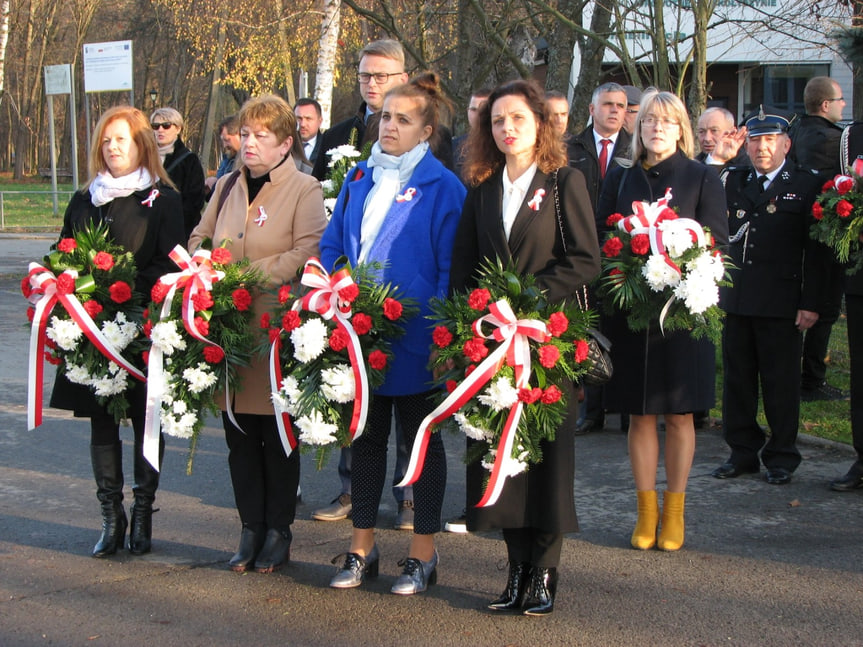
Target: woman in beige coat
column 274, row 215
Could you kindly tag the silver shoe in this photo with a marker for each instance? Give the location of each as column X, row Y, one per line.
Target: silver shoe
column 355, row 569
column 417, row 575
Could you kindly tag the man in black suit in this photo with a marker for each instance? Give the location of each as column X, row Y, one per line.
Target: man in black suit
column 776, row 284
column 309, row 120
column 816, row 138
column 592, row 152
column 720, row 141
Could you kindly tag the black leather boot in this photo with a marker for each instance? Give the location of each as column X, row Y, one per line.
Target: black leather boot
column 108, row 470
column 540, row 597
column 516, row 585
column 146, row 484
column 275, row 552
column 251, row 542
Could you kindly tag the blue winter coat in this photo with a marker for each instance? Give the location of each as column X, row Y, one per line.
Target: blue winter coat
column 415, row 243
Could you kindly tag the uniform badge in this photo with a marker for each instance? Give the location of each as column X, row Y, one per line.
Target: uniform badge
column 786, row 175
column 771, row 208
column 741, row 214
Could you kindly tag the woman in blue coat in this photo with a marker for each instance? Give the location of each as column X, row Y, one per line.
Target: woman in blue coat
column 401, row 208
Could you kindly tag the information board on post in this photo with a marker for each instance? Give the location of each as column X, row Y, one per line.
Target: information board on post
column 108, row 67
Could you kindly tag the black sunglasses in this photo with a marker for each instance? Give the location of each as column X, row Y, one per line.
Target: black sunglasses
column 165, row 125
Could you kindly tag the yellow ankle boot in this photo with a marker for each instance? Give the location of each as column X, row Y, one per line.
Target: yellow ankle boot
column 644, row 535
column 671, row 533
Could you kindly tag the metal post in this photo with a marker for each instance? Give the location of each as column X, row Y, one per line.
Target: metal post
column 53, row 156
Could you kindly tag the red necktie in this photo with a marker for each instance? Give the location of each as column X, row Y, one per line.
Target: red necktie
column 603, row 157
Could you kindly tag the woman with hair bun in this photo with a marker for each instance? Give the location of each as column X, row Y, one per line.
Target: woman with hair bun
column 400, row 208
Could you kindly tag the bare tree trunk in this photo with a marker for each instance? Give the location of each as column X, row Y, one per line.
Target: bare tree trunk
column 662, row 72
column 215, row 94
column 592, row 52
column 327, row 54
column 702, row 10
column 4, row 39
column 561, row 42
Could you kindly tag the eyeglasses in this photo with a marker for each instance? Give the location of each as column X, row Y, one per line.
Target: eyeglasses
column 379, row 77
column 836, row 99
column 652, row 121
column 165, row 125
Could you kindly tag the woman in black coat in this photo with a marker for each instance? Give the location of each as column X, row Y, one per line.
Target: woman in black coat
column 661, row 374
column 512, row 154
column 125, row 171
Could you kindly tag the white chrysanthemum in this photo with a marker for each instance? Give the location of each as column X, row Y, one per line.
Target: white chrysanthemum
column 487, row 461
column 179, row 407
column 77, row 374
column 166, row 337
column 676, row 239
column 337, row 384
column 290, row 393
column 64, row 332
column 707, row 264
column 698, row 292
column 179, row 427
column 340, row 152
column 499, row 395
column 309, row 340
column 472, row 431
column 107, row 386
column 280, row 402
column 658, row 274
column 327, row 186
column 199, row 378
column 117, row 335
column 114, row 369
column 314, row 430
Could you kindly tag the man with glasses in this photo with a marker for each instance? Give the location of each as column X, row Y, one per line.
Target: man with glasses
column 816, row 139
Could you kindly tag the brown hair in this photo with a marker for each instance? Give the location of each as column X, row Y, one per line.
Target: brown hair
column 142, row 135
column 425, row 89
column 818, row 90
column 484, row 157
column 666, row 104
column 276, row 115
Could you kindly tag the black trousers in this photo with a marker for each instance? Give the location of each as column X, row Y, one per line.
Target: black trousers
column 761, row 351
column 854, row 310
column 265, row 480
column 369, row 468
column 532, row 546
column 816, row 340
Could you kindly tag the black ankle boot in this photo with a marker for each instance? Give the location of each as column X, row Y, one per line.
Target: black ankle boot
column 251, row 541
column 540, row 596
column 146, row 484
column 107, row 463
column 516, row 585
column 275, row 552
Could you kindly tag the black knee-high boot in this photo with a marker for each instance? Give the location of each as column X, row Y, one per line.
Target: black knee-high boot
column 108, row 470
column 146, row 484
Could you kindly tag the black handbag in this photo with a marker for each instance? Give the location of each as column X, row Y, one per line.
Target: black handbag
column 599, row 346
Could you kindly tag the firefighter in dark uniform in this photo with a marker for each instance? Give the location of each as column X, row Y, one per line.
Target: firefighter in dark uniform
column 779, row 274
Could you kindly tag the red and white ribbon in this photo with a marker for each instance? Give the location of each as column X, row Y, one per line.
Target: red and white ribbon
column 536, row 200
column 407, row 196
column 44, row 283
column 283, row 419
column 514, row 336
column 262, row 217
column 324, row 299
column 197, row 273
column 150, row 199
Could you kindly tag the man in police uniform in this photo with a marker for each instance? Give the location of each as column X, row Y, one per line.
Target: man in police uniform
column 779, row 273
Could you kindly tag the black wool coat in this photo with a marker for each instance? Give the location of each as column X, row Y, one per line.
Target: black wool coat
column 542, row 498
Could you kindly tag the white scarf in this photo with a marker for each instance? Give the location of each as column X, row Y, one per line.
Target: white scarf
column 166, row 150
column 105, row 187
column 390, row 174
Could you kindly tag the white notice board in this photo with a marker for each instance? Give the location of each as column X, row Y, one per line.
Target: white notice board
column 108, row 66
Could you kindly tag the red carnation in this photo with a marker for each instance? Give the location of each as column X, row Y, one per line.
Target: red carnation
column 146, row 313
column 26, row 288
column 284, row 293
column 392, row 309
column 613, row 219
column 666, row 214
column 213, row 354
column 65, row 284
column 817, row 211
column 362, row 323
column 265, row 320
column 378, row 360
column 474, row 349
column 844, row 184
column 221, row 256
column 273, row 333
column 202, row 326
column 441, row 336
column 103, row 260
column 339, row 340
column 159, row 292
column 581, row 351
column 612, row 247
column 551, row 395
column 451, row 385
column 479, row 299
column 529, row 396
column 242, row 299
column 202, row 301
column 827, row 186
column 53, row 359
column 619, row 276
column 148, row 327
column 291, row 320
column 844, row 208
column 92, row 307
column 67, row 245
column 349, row 293
column 470, row 368
column 120, row 292
column 548, row 355
column 557, row 324
column 640, row 244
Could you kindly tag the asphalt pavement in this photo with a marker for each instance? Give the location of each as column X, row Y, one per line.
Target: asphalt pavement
column 762, row 564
